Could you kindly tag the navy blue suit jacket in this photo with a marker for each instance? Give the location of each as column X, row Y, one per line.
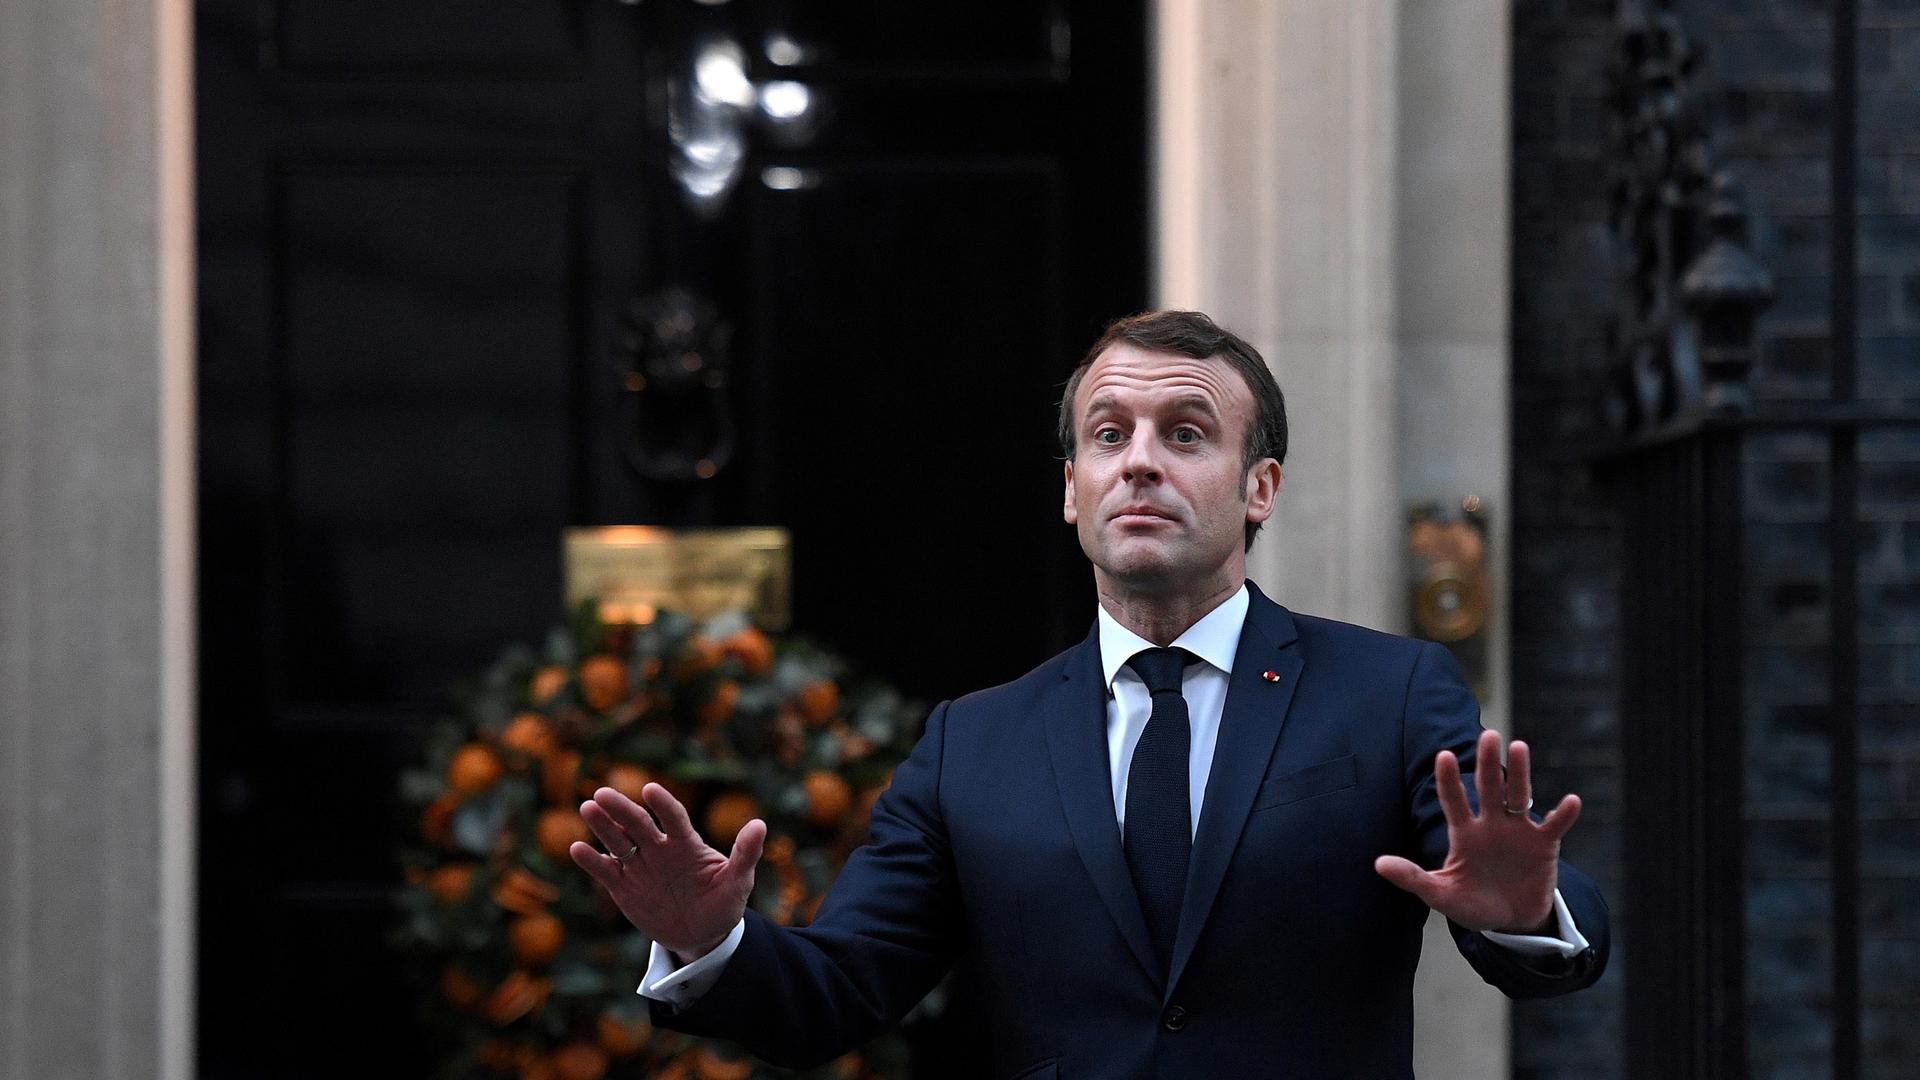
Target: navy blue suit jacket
column 998, row 839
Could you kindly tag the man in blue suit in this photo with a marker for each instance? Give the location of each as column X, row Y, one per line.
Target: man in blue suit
column 1200, row 844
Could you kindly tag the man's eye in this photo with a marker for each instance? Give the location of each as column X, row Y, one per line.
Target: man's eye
column 1101, row 436
column 1186, row 435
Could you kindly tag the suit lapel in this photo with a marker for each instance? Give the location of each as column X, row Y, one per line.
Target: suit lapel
column 1250, row 722
column 1076, row 721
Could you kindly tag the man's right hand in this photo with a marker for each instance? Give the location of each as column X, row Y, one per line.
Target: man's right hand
column 675, row 888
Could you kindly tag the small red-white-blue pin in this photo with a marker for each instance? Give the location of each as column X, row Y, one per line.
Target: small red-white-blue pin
column 1270, row 676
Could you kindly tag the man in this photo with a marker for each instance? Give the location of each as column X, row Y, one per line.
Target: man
column 1172, row 850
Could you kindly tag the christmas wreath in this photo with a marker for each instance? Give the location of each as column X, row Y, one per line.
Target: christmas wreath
column 526, row 968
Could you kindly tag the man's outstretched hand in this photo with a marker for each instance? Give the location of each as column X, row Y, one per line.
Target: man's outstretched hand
column 1501, row 866
column 679, row 891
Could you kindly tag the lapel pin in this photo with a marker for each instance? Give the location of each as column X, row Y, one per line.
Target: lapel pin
column 1270, row 676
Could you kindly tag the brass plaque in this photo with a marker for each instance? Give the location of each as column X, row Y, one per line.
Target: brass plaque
column 635, row 571
column 1447, row 555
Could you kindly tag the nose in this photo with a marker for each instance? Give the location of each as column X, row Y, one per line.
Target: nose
column 1139, row 463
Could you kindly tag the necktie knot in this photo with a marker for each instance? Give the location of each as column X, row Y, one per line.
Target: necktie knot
column 1161, row 669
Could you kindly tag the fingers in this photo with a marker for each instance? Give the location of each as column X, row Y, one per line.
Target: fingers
column 1486, row 772
column 612, row 837
column 609, row 833
column 1409, row 876
column 746, row 848
column 601, row 868
column 673, row 816
column 1519, row 778
column 1557, row 823
column 627, row 815
column 1453, row 794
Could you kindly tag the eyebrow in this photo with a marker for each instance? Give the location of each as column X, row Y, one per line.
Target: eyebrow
column 1198, row 404
column 1195, row 402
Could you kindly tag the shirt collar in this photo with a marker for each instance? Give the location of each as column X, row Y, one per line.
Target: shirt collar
column 1215, row 638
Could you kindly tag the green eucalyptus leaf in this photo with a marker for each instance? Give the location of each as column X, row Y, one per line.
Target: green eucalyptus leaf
column 705, row 771
column 635, row 947
column 477, row 824
column 578, row 980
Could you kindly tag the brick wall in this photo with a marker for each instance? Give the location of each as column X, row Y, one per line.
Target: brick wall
column 1565, row 571
column 1768, row 62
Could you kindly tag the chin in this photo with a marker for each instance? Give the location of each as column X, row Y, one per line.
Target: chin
column 1141, row 564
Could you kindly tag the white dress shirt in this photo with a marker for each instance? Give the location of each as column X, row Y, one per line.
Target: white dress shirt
column 1214, row 639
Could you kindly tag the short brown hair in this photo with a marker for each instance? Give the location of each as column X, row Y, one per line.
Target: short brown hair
column 1192, row 334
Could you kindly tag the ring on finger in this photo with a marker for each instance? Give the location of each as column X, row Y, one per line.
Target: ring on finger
column 1522, row 810
column 621, row 860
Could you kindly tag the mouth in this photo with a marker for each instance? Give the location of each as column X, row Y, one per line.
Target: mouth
column 1140, row 515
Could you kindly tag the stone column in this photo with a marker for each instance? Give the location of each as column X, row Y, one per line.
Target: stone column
column 1331, row 183
column 96, row 557
column 1276, row 215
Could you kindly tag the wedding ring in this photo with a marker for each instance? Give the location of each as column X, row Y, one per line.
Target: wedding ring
column 1522, row 810
column 621, row 860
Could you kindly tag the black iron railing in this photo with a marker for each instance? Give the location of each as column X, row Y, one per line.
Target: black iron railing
column 1680, row 417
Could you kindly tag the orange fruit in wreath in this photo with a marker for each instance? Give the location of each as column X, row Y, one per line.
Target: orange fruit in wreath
column 531, row 734
column 728, row 813
column 818, row 701
column 867, row 799
column 726, row 694
column 536, row 938
column 623, row 1038
column 516, row 996
column 558, row 774
column 436, row 821
column 474, row 769
column 579, row 1061
column 628, row 780
column 829, row 797
column 558, row 829
column 708, row 1065
column 752, row 649
column 452, row 883
column 495, row 1054
column 522, row 892
column 459, row 987
column 701, row 654
column 547, row 684
column 603, row 681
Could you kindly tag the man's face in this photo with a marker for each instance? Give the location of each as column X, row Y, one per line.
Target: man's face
column 1156, row 486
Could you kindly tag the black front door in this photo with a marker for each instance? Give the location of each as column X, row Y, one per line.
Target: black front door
column 423, row 226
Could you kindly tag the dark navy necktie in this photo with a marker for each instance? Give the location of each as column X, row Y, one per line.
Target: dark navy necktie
column 1159, row 825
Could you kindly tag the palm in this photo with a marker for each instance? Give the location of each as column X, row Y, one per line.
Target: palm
column 676, row 888
column 1501, row 865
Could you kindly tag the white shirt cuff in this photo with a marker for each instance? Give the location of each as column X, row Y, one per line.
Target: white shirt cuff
column 683, row 986
column 1569, row 944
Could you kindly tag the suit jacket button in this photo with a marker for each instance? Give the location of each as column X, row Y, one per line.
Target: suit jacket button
column 1174, row 1018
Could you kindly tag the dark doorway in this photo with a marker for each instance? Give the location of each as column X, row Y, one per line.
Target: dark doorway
column 422, row 225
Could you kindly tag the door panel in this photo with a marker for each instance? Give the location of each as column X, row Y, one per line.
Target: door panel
column 420, row 227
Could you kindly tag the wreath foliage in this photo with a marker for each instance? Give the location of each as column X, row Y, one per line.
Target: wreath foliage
column 526, row 967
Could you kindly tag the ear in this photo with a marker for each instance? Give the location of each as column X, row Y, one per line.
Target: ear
column 1263, row 488
column 1067, row 510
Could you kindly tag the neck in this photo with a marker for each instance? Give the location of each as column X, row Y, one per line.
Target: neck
column 1160, row 617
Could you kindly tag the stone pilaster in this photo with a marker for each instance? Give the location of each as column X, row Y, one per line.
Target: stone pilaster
column 96, row 570
column 1332, row 184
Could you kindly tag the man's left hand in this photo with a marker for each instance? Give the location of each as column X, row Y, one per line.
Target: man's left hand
column 1501, row 866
